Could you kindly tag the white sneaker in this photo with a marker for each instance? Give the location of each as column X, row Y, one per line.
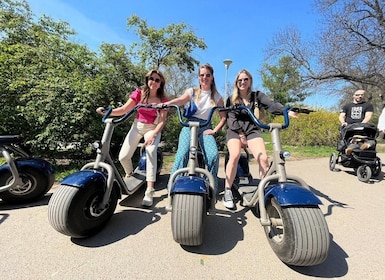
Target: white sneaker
column 228, row 199
column 148, row 197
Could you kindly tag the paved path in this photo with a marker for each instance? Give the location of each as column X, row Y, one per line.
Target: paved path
column 137, row 243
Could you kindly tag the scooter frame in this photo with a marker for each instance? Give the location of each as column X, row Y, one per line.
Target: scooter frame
column 288, row 210
column 23, row 178
column 191, row 195
column 86, row 200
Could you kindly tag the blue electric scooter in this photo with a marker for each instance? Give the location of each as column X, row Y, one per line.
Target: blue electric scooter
column 23, row 178
column 289, row 212
column 86, row 200
column 191, row 191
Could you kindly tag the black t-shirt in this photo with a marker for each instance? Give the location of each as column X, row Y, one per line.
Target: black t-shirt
column 355, row 113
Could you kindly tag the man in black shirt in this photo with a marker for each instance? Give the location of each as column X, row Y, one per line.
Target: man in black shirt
column 358, row 111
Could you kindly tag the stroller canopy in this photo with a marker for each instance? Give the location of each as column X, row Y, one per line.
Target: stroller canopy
column 364, row 129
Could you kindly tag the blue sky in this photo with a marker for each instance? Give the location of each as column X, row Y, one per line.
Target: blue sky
column 234, row 30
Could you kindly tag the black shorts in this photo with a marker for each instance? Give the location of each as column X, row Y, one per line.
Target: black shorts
column 231, row 134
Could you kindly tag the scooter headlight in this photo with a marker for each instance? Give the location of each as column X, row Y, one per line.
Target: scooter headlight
column 96, row 145
column 285, row 154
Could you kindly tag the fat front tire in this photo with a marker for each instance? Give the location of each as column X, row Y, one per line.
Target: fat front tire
column 75, row 211
column 35, row 185
column 298, row 235
column 188, row 219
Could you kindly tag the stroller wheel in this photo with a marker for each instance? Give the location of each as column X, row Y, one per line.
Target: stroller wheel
column 376, row 169
column 332, row 162
column 364, row 173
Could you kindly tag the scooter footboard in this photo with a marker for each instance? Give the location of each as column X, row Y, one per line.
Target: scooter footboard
column 291, row 194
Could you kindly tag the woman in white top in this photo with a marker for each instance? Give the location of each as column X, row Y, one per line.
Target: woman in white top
column 205, row 97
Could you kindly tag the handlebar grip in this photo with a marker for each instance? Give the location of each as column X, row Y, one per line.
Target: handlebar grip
column 107, row 114
column 301, row 110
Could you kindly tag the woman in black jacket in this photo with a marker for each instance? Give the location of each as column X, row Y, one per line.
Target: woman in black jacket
column 242, row 132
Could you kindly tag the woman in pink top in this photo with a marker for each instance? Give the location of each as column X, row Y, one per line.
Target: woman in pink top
column 147, row 124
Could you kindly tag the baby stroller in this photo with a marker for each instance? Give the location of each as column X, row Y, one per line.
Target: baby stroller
column 365, row 162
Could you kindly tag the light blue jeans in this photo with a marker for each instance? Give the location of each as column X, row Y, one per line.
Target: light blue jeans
column 208, row 146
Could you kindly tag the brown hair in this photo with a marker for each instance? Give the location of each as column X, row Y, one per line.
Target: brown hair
column 212, row 87
column 146, row 90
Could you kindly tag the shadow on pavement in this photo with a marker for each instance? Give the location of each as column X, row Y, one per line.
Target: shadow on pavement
column 334, row 266
column 40, row 202
column 223, row 231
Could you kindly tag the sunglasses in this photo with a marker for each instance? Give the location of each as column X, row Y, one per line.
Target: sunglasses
column 242, row 80
column 359, row 94
column 156, row 80
column 205, row 75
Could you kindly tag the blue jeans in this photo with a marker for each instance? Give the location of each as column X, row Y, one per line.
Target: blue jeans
column 208, row 146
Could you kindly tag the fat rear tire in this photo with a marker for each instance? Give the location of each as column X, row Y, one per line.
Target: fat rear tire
column 35, row 185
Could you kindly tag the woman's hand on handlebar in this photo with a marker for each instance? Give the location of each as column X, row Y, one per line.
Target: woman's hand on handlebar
column 293, row 114
column 101, row 110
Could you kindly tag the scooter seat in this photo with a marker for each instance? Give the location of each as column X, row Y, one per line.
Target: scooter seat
column 10, row 139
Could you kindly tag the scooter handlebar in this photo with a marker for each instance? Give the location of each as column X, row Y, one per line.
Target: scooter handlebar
column 129, row 113
column 186, row 123
column 255, row 120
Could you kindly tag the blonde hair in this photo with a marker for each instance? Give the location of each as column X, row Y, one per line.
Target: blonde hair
column 235, row 98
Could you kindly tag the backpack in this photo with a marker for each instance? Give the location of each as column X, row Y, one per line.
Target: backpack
column 259, row 111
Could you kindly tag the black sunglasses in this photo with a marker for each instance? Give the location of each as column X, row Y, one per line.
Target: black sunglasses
column 156, row 80
column 243, row 80
column 205, row 75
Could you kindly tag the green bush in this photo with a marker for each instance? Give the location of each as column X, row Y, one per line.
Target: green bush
column 319, row 128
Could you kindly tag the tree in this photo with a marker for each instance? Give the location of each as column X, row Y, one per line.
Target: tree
column 51, row 86
column 284, row 82
column 48, row 84
column 167, row 46
column 178, row 80
column 348, row 51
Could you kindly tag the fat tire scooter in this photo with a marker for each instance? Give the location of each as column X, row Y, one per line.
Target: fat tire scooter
column 191, row 191
column 86, row 200
column 289, row 212
column 23, row 178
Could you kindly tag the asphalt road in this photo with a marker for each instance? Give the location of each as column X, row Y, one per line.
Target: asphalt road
column 137, row 243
